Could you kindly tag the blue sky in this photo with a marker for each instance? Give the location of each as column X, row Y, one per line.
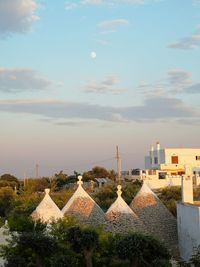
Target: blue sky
column 64, row 109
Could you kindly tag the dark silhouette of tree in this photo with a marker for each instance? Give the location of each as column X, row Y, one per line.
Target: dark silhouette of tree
column 142, row 251
column 84, row 241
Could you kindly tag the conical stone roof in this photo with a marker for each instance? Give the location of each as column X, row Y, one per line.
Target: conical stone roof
column 83, row 207
column 121, row 218
column 47, row 210
column 156, row 217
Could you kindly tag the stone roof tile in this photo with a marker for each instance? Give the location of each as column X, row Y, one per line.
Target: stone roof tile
column 83, row 207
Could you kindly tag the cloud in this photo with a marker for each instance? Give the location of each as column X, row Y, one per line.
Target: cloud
column 112, row 24
column 20, row 80
column 71, row 5
column 153, row 109
column 177, row 81
column 107, row 85
column 181, row 82
column 188, row 43
column 17, row 16
column 193, row 89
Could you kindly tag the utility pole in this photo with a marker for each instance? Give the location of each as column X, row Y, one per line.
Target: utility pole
column 37, row 170
column 119, row 166
column 24, row 179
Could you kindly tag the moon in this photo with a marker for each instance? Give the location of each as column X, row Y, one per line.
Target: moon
column 93, row 55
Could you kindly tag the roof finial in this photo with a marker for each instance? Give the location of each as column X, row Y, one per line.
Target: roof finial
column 80, row 182
column 119, row 191
column 47, row 190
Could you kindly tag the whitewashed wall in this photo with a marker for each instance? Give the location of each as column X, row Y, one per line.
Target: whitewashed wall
column 188, row 220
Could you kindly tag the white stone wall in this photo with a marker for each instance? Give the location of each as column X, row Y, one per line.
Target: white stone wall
column 188, row 222
column 169, row 181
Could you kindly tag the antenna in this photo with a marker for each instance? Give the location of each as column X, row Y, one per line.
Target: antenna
column 119, row 165
column 24, row 179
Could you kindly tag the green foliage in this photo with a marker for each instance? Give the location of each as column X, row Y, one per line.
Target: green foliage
column 6, row 198
column 9, row 181
column 98, row 172
column 169, row 196
column 24, row 204
column 61, row 197
column 9, row 177
column 66, row 243
column 195, row 259
column 105, row 196
column 37, row 185
column 60, row 227
column 130, row 189
column 59, row 180
column 141, row 250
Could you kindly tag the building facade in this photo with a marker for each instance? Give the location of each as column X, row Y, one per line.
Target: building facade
column 173, row 160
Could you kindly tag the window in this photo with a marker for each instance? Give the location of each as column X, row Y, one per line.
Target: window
column 174, row 159
column 155, row 160
column 197, row 157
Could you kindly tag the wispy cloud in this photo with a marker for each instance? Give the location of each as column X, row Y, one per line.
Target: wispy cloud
column 107, row 85
column 153, row 109
column 112, row 24
column 71, row 4
column 177, row 81
column 17, row 16
column 188, row 43
column 21, row 80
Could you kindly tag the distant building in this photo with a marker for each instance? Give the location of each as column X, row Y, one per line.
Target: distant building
column 173, row 160
column 102, row 181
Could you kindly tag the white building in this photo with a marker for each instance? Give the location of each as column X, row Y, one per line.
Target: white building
column 188, row 220
column 173, row 160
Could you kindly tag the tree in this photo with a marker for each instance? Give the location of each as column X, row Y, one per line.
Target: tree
column 30, row 244
column 6, row 199
column 142, row 251
column 59, row 180
column 83, row 240
column 98, row 172
column 169, row 196
column 36, row 185
column 9, row 177
column 8, row 180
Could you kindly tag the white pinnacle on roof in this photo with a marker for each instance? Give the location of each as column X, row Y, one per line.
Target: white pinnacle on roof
column 47, row 210
column 120, row 218
column 80, row 192
column 119, row 206
column 83, row 207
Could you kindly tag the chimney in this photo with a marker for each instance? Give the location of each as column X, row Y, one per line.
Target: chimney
column 158, row 146
column 187, row 185
column 158, row 151
column 151, row 155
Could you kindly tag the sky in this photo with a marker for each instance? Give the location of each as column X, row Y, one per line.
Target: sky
column 79, row 77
